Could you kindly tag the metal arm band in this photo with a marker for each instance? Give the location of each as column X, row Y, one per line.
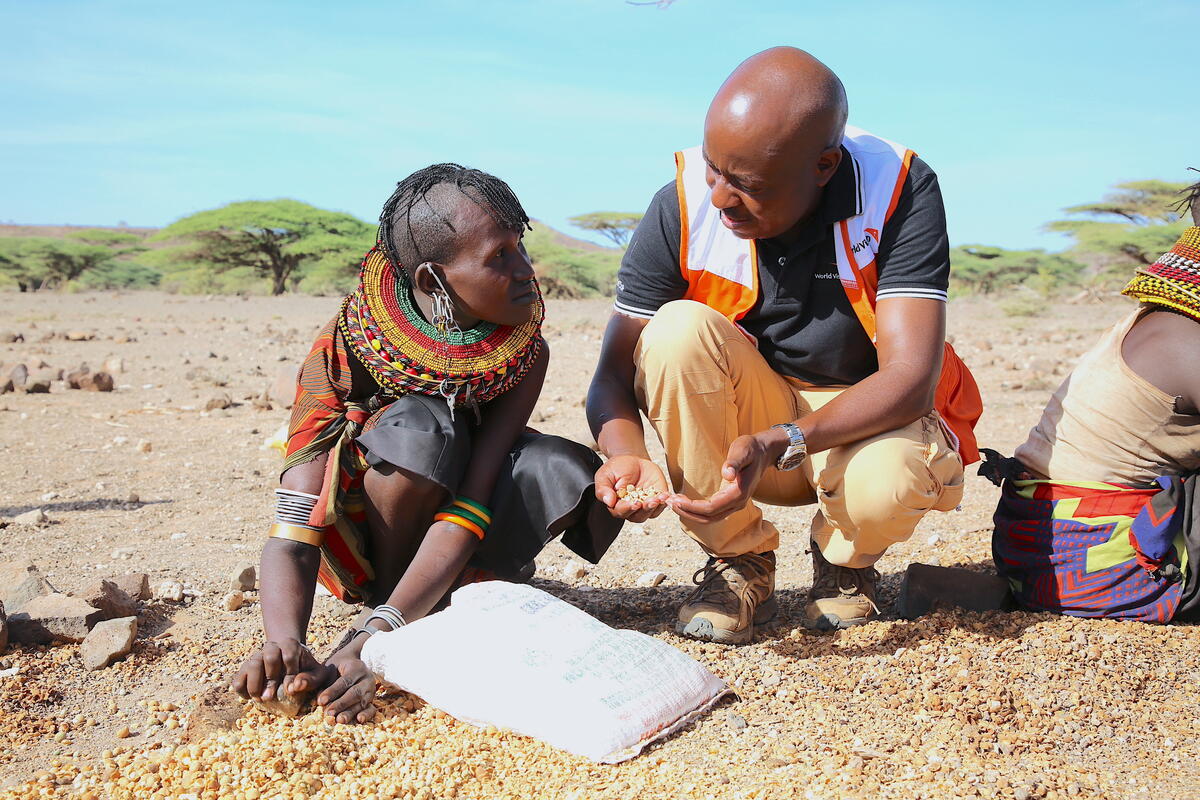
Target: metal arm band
column 296, row 534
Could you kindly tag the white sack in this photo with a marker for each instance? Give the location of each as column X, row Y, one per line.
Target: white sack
column 512, row 656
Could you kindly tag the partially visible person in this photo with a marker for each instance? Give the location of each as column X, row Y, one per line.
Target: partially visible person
column 409, row 467
column 1098, row 515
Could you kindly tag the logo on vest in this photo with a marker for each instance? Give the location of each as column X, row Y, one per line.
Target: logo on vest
column 858, row 247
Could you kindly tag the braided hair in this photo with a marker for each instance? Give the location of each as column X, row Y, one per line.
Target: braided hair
column 416, row 225
column 1191, row 199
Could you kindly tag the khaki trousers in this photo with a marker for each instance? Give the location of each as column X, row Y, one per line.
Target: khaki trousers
column 702, row 384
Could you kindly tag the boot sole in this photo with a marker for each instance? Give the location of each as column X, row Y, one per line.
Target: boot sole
column 832, row 622
column 703, row 630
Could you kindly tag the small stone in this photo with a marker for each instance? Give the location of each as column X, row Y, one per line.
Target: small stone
column 108, row 641
column 735, row 721
column 123, row 553
column 48, row 496
column 52, row 617
column 74, row 377
column 282, row 391
column 110, row 598
column 133, row 498
column 244, row 578
column 114, row 365
column 233, row 601
column 123, row 732
column 79, row 336
column 34, row 517
column 218, row 401
column 927, row 587
column 285, row 705
column 38, row 386
column 19, row 375
column 144, row 446
column 8, row 337
column 171, row 591
column 97, row 382
column 134, row 584
column 20, row 582
column 649, row 579
column 574, row 570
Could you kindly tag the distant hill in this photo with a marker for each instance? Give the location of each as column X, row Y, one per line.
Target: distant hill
column 59, row 231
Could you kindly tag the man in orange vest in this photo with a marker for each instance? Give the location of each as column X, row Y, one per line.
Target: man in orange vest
column 780, row 320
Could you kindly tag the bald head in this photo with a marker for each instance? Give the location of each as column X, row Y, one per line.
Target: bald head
column 783, row 97
column 772, row 139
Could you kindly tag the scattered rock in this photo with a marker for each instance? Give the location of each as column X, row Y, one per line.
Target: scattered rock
column 574, row 570
column 52, row 617
column 18, row 376
column 133, row 498
column 34, row 517
column 286, row 705
column 927, row 587
column 114, row 365
column 218, row 402
column 233, row 601
column 134, row 584
column 108, row 641
column 171, row 591
column 20, row 582
column 262, row 402
column 215, row 710
column 735, row 721
column 144, row 446
column 111, row 599
column 40, row 384
column 90, row 381
column 79, row 336
column 244, row 578
column 648, row 579
column 8, row 337
column 282, row 391
column 74, row 376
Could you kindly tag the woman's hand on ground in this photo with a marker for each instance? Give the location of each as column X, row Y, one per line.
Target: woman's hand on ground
column 350, row 689
column 285, row 666
column 628, row 471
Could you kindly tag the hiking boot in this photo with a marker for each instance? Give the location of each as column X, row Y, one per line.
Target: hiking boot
column 840, row 597
column 732, row 596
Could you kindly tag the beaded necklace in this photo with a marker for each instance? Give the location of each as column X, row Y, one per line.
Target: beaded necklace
column 1174, row 279
column 404, row 353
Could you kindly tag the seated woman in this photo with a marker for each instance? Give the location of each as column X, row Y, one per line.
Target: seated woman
column 1097, row 516
column 409, row 468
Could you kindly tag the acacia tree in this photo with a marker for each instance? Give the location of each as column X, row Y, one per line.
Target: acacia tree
column 984, row 269
column 275, row 239
column 1130, row 227
column 42, row 262
column 617, row 226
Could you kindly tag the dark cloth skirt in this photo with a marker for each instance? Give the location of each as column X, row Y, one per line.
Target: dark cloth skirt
column 546, row 489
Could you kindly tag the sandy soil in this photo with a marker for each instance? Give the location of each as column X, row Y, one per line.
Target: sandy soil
column 955, row 704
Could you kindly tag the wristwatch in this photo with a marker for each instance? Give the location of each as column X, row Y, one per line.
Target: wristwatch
column 796, row 450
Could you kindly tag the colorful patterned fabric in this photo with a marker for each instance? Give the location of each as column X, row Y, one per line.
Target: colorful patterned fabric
column 1174, row 279
column 404, row 353
column 325, row 421
column 1092, row 549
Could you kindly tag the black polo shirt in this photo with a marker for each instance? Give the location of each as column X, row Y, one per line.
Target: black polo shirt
column 804, row 323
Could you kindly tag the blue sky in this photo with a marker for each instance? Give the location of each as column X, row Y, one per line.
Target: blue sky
column 146, row 111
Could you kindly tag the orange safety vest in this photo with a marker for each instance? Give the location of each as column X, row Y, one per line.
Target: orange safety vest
column 722, row 270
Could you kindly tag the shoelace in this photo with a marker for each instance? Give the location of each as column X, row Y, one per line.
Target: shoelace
column 716, row 566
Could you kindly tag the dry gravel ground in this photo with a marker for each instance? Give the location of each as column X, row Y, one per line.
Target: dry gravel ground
column 952, row 705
